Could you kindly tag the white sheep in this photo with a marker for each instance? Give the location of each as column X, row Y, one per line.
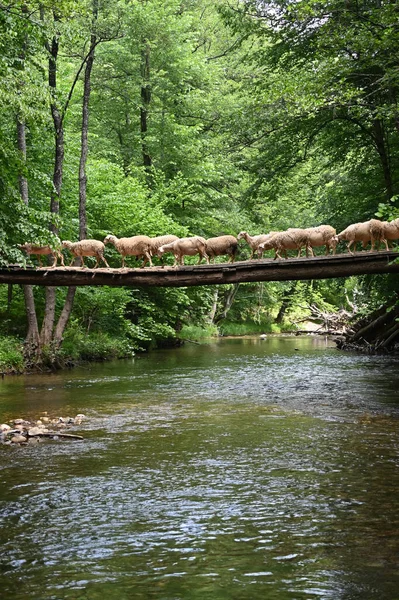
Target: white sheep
column 40, row 251
column 138, row 245
column 253, row 241
column 221, row 245
column 323, row 235
column 292, row 239
column 188, row 246
column 369, row 231
column 86, row 248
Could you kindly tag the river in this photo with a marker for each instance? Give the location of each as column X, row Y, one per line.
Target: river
column 235, row 469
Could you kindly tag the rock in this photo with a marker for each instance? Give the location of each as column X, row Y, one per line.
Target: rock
column 39, row 422
column 35, row 431
column 61, row 425
column 18, row 421
column 45, row 419
column 19, row 427
column 4, row 427
column 61, row 420
column 70, row 421
column 18, row 439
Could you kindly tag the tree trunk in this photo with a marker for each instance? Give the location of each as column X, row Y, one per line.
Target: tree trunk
column 85, row 129
column 49, row 312
column 68, row 305
column 213, row 310
column 32, row 334
column 228, row 303
column 145, row 103
column 287, row 299
column 381, row 145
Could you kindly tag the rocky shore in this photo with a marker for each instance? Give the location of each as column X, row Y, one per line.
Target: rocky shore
column 23, row 432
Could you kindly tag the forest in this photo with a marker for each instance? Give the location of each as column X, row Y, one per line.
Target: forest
column 190, row 117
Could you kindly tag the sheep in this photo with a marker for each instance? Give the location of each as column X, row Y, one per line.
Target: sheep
column 159, row 241
column 369, row 231
column 188, row 246
column 138, row 245
column 253, row 241
column 86, row 248
column 391, row 231
column 292, row 239
column 40, row 251
column 223, row 244
column 323, row 235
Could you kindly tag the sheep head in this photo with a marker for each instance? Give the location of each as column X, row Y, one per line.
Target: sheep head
column 110, row 239
column 66, row 244
column 241, row 235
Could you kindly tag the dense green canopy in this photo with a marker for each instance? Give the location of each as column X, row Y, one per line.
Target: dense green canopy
column 202, row 118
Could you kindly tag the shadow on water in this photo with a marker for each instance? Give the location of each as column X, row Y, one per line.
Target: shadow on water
column 240, row 468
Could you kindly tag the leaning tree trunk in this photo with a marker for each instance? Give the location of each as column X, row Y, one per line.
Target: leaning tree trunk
column 228, row 303
column 379, row 333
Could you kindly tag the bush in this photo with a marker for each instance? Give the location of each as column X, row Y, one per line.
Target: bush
column 78, row 346
column 11, row 355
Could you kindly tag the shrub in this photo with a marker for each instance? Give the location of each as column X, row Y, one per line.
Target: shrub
column 11, row 355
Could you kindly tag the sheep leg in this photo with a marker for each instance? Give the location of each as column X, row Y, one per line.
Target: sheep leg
column 103, row 258
column 349, row 246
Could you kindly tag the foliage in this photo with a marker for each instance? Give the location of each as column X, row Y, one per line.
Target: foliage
column 11, row 357
column 206, row 118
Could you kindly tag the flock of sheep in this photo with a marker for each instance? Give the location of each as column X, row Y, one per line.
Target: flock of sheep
column 142, row 246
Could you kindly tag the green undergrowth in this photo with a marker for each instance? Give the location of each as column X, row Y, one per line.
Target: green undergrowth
column 252, row 328
column 97, row 346
column 195, row 332
column 11, row 355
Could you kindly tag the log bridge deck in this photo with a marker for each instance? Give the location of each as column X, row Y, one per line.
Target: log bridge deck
column 318, row 267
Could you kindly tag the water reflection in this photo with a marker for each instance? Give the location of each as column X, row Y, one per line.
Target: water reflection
column 238, row 469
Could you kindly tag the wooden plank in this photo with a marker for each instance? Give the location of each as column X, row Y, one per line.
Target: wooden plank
column 319, row 267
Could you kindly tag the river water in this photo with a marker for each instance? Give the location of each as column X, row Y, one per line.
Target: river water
column 237, row 469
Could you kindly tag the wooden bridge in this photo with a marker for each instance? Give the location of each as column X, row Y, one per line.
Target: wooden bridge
column 318, row 267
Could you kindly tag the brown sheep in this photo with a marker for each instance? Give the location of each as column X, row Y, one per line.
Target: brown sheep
column 138, row 245
column 323, row 235
column 253, row 241
column 391, row 231
column 188, row 246
column 221, row 245
column 40, row 251
column 369, row 231
column 86, row 248
column 292, row 239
